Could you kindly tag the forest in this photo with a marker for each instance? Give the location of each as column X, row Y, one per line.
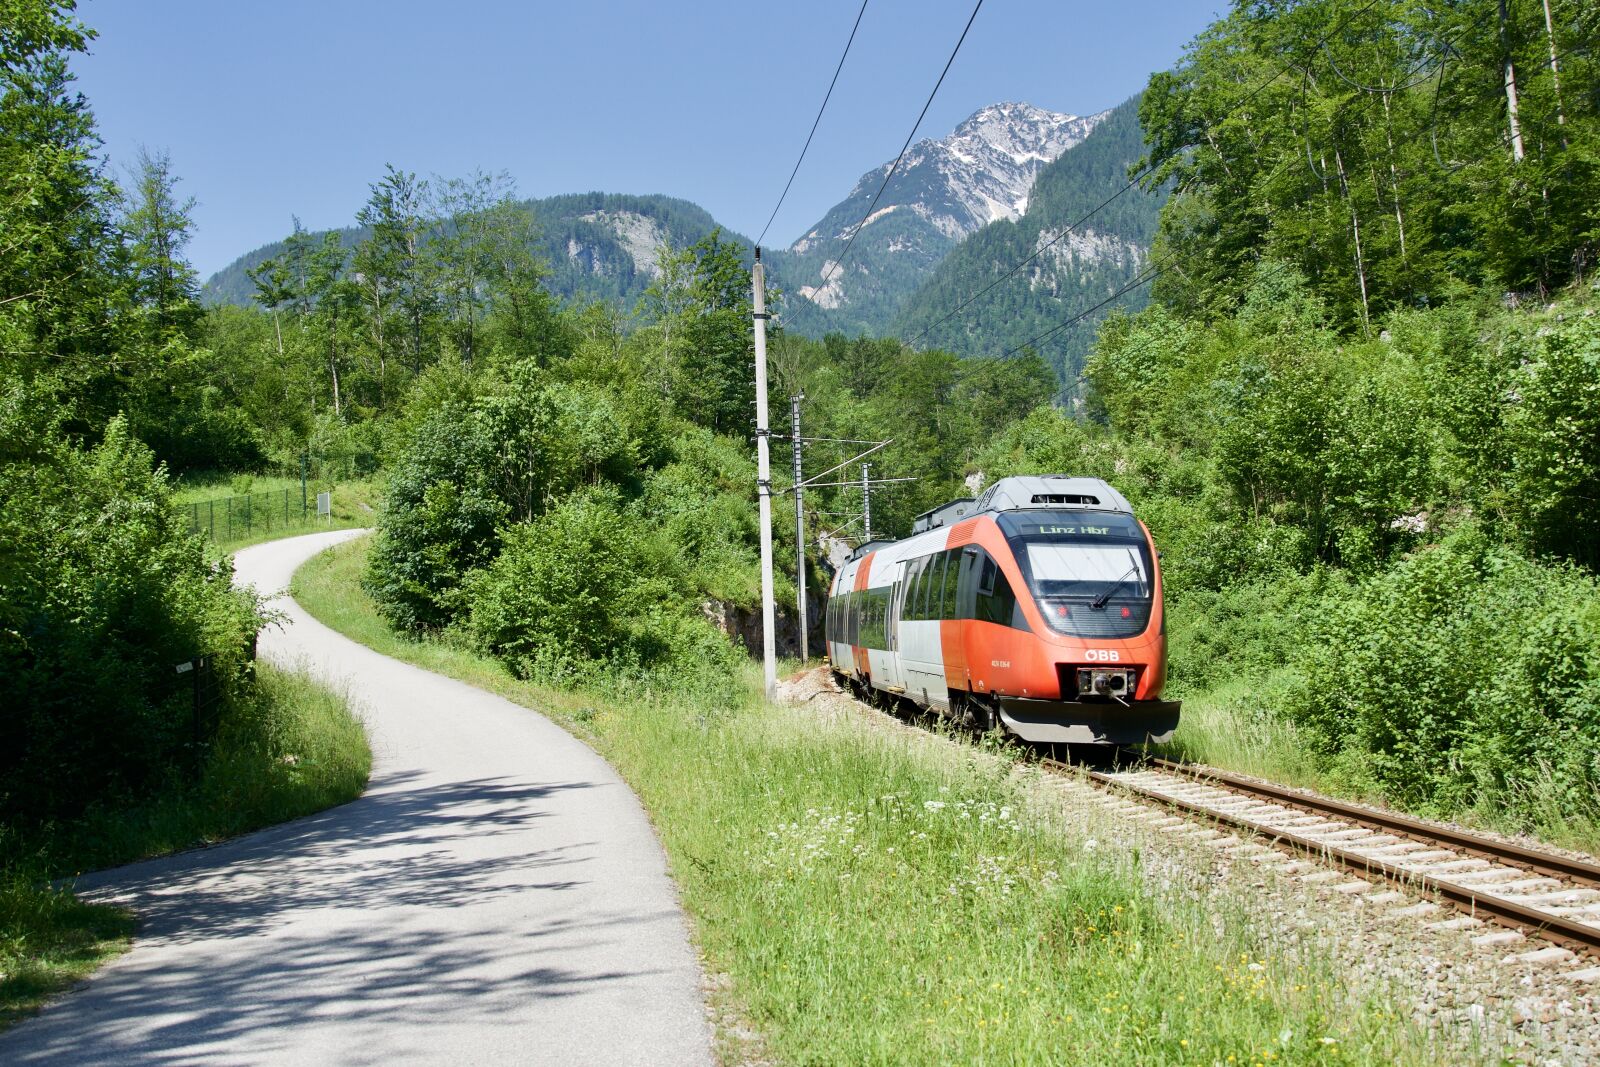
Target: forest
column 1361, row 415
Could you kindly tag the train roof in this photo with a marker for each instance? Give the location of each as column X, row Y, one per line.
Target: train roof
column 1052, row 492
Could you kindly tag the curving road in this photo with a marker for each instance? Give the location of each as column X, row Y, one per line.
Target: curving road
column 496, row 896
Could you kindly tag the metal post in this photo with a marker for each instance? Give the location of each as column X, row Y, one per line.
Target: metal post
column 799, row 526
column 769, row 650
column 304, row 456
column 866, row 503
column 229, row 503
column 211, row 518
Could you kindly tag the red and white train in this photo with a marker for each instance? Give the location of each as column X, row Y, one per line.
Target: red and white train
column 1036, row 607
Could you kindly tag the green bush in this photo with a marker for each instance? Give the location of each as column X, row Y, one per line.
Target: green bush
column 102, row 593
column 1553, row 429
column 439, row 521
column 1466, row 676
column 588, row 588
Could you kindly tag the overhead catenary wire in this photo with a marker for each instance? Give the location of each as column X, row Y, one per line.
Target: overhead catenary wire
column 1135, row 179
column 827, row 275
column 815, row 123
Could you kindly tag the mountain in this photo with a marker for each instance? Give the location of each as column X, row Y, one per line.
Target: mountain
column 600, row 246
column 959, row 212
column 944, row 190
column 1078, row 271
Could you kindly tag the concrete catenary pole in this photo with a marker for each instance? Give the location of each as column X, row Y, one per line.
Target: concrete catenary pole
column 866, row 503
column 799, row 524
column 769, row 648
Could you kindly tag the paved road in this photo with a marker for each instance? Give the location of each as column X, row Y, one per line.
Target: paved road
column 496, row 896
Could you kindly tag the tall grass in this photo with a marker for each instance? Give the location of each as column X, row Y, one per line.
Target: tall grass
column 290, row 748
column 879, row 897
column 49, row 939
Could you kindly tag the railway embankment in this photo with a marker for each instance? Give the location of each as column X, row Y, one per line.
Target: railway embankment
column 1475, row 985
column 863, row 892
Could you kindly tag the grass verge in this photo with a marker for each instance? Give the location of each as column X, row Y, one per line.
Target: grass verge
column 291, row 748
column 883, row 897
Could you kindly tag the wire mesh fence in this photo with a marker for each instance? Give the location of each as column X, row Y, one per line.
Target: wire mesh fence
column 230, row 518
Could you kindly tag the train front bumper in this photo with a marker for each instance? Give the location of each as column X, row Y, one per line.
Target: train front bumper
column 1083, row 723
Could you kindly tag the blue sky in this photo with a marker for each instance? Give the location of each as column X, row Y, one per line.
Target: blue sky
column 282, row 107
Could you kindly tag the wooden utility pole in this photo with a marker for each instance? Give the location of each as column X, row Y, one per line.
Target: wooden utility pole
column 799, row 524
column 769, row 648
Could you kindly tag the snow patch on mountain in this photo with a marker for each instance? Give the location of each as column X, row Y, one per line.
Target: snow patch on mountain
column 981, row 173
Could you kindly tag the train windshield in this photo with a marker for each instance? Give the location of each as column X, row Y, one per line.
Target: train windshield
column 1090, row 572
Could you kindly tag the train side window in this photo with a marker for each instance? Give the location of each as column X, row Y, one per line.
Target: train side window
column 913, row 587
column 935, row 586
column 995, row 602
column 952, row 576
column 968, row 580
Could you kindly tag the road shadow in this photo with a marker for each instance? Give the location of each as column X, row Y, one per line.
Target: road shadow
column 350, row 913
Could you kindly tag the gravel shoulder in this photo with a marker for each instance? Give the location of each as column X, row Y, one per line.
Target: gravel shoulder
column 497, row 895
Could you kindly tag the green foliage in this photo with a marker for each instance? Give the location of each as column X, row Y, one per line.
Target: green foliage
column 440, row 517
column 1553, row 430
column 591, row 586
column 1383, row 160
column 101, row 594
column 1466, row 677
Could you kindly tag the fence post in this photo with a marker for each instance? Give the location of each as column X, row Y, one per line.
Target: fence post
column 211, row 518
column 228, row 502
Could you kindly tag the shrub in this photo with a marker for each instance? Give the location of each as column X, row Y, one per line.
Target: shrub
column 1554, row 434
column 102, row 593
column 439, row 521
column 1465, row 676
column 585, row 589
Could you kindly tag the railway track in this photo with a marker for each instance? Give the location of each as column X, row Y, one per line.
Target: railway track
column 1527, row 892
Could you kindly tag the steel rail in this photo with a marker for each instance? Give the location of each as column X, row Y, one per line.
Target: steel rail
column 1475, row 902
column 1501, row 851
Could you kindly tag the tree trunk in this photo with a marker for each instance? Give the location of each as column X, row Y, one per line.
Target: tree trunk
column 277, row 329
column 1355, row 229
column 1394, row 180
column 1555, row 69
column 1511, row 88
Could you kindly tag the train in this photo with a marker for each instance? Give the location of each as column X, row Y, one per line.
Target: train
column 1035, row 608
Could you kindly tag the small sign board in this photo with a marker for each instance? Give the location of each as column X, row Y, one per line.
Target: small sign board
column 325, row 504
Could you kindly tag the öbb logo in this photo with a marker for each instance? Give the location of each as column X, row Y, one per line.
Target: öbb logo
column 1102, row 655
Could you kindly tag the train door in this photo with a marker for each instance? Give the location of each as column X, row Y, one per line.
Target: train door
column 890, row 660
column 922, row 652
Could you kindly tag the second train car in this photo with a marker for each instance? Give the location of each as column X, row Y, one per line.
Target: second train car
column 1036, row 607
